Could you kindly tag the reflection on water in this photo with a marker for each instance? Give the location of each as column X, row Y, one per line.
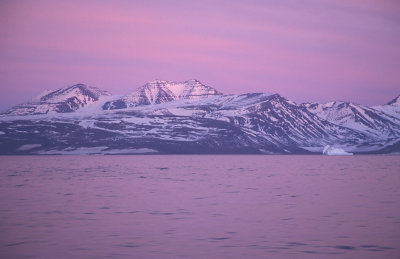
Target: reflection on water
column 200, row 207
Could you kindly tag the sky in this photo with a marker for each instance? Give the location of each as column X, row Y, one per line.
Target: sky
column 310, row 50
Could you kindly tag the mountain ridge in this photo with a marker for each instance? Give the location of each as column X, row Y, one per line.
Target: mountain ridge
column 194, row 118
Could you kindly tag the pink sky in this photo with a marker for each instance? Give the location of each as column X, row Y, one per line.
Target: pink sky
column 312, row 50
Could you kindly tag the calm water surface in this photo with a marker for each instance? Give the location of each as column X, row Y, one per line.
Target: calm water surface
column 200, row 207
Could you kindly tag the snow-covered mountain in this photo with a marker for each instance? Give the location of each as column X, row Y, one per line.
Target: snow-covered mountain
column 189, row 117
column 392, row 108
column 361, row 118
column 159, row 91
column 63, row 100
column 277, row 119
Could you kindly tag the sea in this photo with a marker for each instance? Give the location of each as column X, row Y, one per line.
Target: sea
column 200, row 206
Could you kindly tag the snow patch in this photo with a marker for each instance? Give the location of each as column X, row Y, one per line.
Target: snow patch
column 28, row 147
column 86, row 124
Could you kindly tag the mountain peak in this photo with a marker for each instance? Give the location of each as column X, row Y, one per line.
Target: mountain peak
column 158, row 81
column 190, row 89
column 160, row 91
column 395, row 101
column 67, row 99
column 76, row 90
column 193, row 81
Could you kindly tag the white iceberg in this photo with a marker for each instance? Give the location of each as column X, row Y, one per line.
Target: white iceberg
column 335, row 151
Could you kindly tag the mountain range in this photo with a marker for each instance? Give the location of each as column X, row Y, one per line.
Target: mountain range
column 189, row 117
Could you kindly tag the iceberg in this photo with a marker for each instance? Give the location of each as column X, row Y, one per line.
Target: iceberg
column 335, row 151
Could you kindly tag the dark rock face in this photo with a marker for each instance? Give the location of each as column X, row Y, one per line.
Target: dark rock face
column 113, row 105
